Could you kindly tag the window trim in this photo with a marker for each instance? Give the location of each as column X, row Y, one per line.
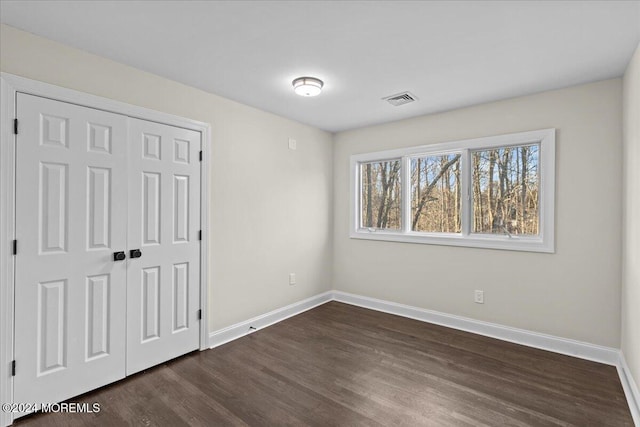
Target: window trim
column 544, row 242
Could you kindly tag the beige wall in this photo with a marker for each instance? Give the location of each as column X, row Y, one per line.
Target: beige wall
column 270, row 210
column 631, row 218
column 574, row 293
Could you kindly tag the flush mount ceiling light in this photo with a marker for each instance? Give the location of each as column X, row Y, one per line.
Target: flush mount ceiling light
column 307, row 86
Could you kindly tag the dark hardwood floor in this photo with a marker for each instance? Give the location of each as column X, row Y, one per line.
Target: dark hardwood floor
column 348, row 366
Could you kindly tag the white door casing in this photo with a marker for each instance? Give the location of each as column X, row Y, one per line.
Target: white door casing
column 11, row 86
column 164, row 224
column 71, row 216
column 92, row 183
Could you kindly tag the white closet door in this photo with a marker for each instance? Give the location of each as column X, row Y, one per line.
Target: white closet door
column 71, row 211
column 163, row 291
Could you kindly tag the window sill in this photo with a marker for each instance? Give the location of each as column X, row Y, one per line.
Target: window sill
column 514, row 243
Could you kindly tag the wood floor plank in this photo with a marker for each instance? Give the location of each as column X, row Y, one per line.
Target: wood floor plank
column 340, row 365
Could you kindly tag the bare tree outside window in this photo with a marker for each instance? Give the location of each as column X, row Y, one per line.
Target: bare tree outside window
column 505, row 190
column 380, row 195
column 435, row 193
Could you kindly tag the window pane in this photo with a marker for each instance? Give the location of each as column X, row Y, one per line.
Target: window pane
column 506, row 190
column 380, row 195
column 435, row 193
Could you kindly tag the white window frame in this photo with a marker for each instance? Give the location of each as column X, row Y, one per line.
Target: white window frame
column 544, row 242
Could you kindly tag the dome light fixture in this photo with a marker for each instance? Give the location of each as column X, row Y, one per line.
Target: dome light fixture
column 307, row 86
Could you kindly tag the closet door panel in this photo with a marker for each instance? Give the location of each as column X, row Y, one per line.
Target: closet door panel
column 71, row 215
column 163, row 295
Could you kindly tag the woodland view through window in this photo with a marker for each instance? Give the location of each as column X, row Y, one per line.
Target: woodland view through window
column 435, row 193
column 494, row 192
column 381, row 195
column 505, row 190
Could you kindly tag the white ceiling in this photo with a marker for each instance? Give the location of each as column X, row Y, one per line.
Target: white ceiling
column 448, row 54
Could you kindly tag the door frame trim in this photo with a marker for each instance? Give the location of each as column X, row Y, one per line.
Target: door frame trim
column 10, row 86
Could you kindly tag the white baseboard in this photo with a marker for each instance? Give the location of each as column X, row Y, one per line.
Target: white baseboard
column 583, row 350
column 241, row 329
column 630, row 389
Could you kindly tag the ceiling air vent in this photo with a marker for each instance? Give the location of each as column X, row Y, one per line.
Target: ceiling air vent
column 400, row 99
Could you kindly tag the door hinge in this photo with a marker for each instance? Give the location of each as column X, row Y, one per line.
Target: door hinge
column 15, row 247
column 200, row 235
column 13, row 368
column 199, row 314
column 200, row 155
column 15, row 126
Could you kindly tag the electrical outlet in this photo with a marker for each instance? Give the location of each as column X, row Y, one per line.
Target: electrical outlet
column 292, row 279
column 479, row 297
column 292, row 144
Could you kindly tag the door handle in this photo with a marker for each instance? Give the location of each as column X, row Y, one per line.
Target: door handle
column 135, row 253
column 119, row 256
